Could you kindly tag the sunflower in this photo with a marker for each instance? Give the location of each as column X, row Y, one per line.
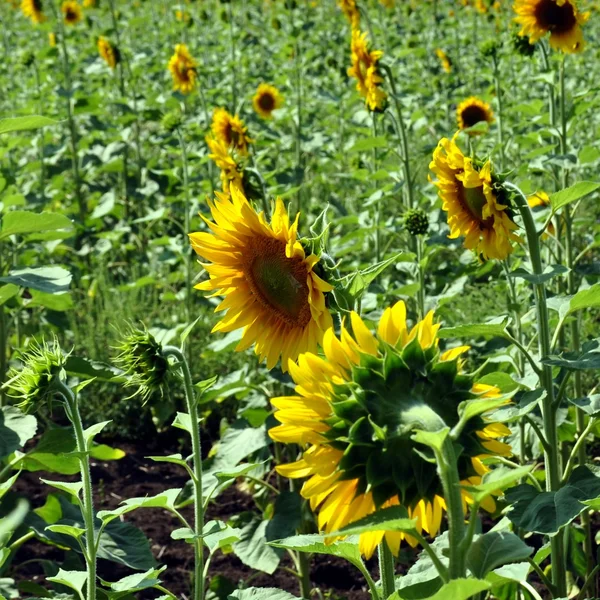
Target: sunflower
column 353, row 411
column 271, row 287
column 108, row 52
column 364, row 69
column 266, row 100
column 183, row 16
column 351, row 11
column 52, row 39
column 71, row 11
column 231, row 131
column 33, row 10
column 472, row 111
column 540, row 200
column 231, row 173
column 183, row 69
column 90, row 3
column 473, row 206
column 446, row 62
column 560, row 18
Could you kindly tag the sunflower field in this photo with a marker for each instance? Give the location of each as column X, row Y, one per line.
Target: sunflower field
column 300, row 299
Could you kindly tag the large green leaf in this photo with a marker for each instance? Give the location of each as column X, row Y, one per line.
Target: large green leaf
column 393, row 518
column 8, row 291
column 589, row 404
column 494, row 328
column 316, row 544
column 25, row 123
column 575, row 362
column 495, row 549
column 547, row 512
column 84, row 367
column 16, row 428
column 72, row 579
column 261, row 594
column 133, row 583
column 14, row 518
column 253, row 550
column 496, row 480
column 239, row 441
column 457, row 589
column 573, row 193
column 23, row 221
column 165, row 500
column 52, row 280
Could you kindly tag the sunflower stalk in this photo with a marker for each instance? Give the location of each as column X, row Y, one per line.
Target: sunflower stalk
column 500, row 115
column 91, row 546
column 192, row 406
column 386, row 570
column 548, row 407
column 38, row 86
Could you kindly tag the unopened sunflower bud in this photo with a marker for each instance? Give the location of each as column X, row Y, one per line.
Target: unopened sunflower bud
column 416, row 222
column 142, row 360
column 171, row 121
column 522, row 45
column 34, row 382
column 27, row 59
column 490, row 48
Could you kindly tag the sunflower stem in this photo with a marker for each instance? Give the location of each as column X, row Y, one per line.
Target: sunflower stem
column 552, row 448
column 192, row 406
column 500, row 110
column 38, row 86
column 386, row 570
column 86, row 477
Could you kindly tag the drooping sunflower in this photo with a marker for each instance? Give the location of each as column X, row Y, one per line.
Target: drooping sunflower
column 351, row 11
column 446, row 62
column 231, row 131
column 266, row 100
column 475, row 209
column 560, row 18
column 71, row 11
column 353, row 411
column 183, row 69
column 472, row 111
column 540, row 200
column 33, row 10
column 364, row 69
column 231, row 173
column 271, row 287
column 108, row 52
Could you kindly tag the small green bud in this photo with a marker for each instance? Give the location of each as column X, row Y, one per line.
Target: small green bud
column 27, row 59
column 142, row 360
column 522, row 45
column 490, row 48
column 171, row 121
column 416, row 222
column 34, row 381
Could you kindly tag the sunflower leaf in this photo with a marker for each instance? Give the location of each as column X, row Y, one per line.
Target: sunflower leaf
column 572, row 194
column 393, row 518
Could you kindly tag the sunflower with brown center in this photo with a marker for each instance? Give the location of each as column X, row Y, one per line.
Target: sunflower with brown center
column 355, row 413
column 560, row 18
column 33, row 10
column 364, row 69
column 231, row 130
column 472, row 111
column 266, row 100
column 108, row 52
column 271, row 287
column 71, row 11
column 472, row 202
column 183, row 69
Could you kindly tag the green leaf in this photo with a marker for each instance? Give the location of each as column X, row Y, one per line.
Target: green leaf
column 361, row 280
column 75, row 532
column 14, row 518
column 252, row 548
column 23, row 221
column 262, row 593
column 135, row 583
column 218, row 535
column 497, row 479
column 393, row 518
column 183, row 421
column 471, row 408
column 91, row 432
column 175, row 459
column 16, row 428
column 571, row 362
column 104, row 452
column 52, row 280
column 25, row 123
column 549, row 273
column 72, row 579
column 315, row 544
column 204, row 385
column 186, row 332
column 8, row 291
column 239, row 471
column 547, row 512
column 433, row 439
column 460, row 589
column 494, row 328
column 369, row 143
column 73, row 489
column 588, row 298
column 573, row 193
column 6, row 485
column 590, row 405
column 93, row 369
column 165, row 500
column 239, row 441
column 495, row 549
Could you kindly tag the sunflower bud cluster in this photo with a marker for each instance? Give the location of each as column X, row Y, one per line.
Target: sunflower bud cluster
column 416, row 222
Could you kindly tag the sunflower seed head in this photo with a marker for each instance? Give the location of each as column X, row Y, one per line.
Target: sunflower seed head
column 416, row 222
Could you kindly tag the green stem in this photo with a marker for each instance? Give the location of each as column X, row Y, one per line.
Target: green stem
column 552, row 449
column 38, row 86
column 421, row 292
column 86, row 477
column 304, row 575
column 386, row 570
column 500, row 111
column 232, row 57
column 192, row 406
column 575, row 455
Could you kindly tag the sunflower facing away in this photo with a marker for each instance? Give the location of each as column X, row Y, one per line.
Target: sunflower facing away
column 560, row 18
column 270, row 286
column 183, row 69
column 540, row 200
column 266, row 100
column 231, row 173
column 473, row 207
column 444, row 60
column 364, row 70
column 71, row 11
column 353, row 412
column 33, row 10
column 231, row 131
column 351, row 11
column 472, row 111
column 108, row 52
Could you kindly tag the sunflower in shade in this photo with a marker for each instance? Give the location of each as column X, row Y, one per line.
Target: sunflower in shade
column 472, row 111
column 71, row 11
column 474, row 206
column 231, row 131
column 444, row 60
column 353, row 414
column 271, row 287
column 183, row 69
column 231, row 173
column 365, row 70
column 108, row 52
column 33, row 10
column 266, row 100
column 539, row 201
column 560, row 18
